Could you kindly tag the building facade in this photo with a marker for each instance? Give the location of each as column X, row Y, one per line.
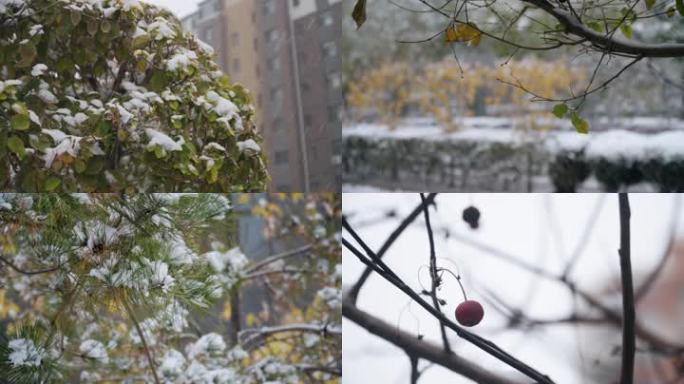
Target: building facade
column 286, row 52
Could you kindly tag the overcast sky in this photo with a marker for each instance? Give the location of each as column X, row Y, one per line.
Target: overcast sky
column 179, row 7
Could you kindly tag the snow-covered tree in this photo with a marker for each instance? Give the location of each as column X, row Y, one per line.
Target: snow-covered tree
column 113, row 95
column 111, row 288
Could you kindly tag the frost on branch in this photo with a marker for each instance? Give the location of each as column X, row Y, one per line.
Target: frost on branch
column 113, row 95
column 126, row 288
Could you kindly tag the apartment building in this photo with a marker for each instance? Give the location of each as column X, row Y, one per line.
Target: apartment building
column 287, row 53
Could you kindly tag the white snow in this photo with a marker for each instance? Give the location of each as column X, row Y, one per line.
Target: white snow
column 47, row 96
column 124, row 114
column 249, row 146
column 25, row 353
column 181, row 60
column 163, row 29
column 36, row 29
column 215, row 146
column 94, row 349
column 222, row 106
column 164, row 141
column 66, row 144
column 206, row 345
column 38, row 70
column 172, row 364
column 233, row 260
column 613, row 144
column 332, row 296
column 33, row 117
column 160, row 275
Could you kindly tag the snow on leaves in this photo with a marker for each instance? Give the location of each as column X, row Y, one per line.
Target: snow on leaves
column 127, row 274
column 155, row 82
column 23, row 352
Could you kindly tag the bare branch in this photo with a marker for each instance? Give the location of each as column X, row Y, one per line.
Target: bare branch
column 421, row 348
column 629, row 315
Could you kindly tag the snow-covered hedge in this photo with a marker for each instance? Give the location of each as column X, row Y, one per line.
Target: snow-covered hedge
column 423, row 157
column 495, row 159
column 619, row 159
column 113, row 95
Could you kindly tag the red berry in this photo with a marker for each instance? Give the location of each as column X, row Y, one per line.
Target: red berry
column 469, row 313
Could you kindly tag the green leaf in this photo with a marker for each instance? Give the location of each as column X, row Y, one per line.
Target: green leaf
column 16, row 145
column 649, row 3
column 28, row 51
column 52, row 183
column 75, row 17
column 141, row 41
column 626, row 30
column 559, row 110
column 20, row 122
column 157, row 82
column 670, row 12
column 79, row 166
column 581, row 125
column 106, row 26
column 595, row 25
column 679, row 4
column 159, row 152
column 359, row 13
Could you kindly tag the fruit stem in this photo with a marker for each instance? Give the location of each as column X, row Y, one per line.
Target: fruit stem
column 458, row 279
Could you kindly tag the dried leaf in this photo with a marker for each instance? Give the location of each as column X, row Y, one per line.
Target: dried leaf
column 359, row 13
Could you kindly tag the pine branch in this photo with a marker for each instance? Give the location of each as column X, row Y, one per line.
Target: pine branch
column 148, row 353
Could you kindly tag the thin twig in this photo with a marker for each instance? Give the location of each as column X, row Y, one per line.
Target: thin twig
column 153, row 367
column 28, row 273
column 628, row 331
column 436, row 280
column 354, row 290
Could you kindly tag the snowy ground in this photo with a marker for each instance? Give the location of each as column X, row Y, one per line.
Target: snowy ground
column 542, row 229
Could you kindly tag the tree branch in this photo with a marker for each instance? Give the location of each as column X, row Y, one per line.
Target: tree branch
column 628, row 331
column 354, row 290
column 28, row 273
column 436, row 281
column 383, row 270
column 421, row 348
column 607, row 43
column 150, row 359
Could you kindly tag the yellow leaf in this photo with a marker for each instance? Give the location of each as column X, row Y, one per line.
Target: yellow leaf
column 463, row 33
column 250, row 320
column 227, row 311
column 243, row 198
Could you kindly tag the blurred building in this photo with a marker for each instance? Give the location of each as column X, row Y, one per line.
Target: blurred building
column 287, row 53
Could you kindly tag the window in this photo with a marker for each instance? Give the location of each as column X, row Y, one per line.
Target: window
column 327, row 19
column 236, row 64
column 277, row 96
column 282, row 157
column 269, row 7
column 256, row 44
column 295, row 3
column 308, row 120
column 209, row 35
column 334, row 80
column 273, row 64
column 235, row 39
column 329, row 49
column 271, row 35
